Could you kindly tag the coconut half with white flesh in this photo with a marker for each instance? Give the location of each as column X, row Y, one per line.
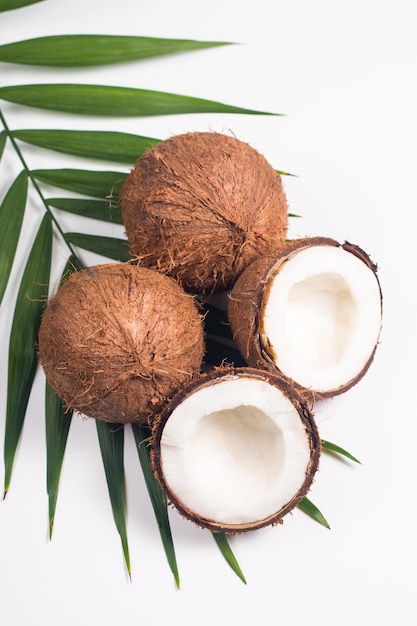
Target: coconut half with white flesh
column 313, row 313
column 236, row 450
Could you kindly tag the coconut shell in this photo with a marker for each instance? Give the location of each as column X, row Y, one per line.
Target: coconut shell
column 201, row 207
column 246, row 307
column 211, row 378
column 117, row 341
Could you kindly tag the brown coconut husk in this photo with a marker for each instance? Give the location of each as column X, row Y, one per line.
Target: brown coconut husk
column 117, row 341
column 211, row 378
column 246, row 308
column 201, row 207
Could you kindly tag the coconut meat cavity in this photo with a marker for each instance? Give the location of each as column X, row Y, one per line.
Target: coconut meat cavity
column 322, row 316
column 235, row 454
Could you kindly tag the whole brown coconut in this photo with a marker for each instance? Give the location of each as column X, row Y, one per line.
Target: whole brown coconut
column 201, row 207
column 116, row 341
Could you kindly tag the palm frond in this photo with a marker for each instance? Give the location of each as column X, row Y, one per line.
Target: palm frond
column 98, row 190
column 3, row 139
column 107, row 145
column 22, row 363
column 103, row 210
column 57, row 425
column 12, row 211
column 157, row 497
column 113, row 100
column 110, row 247
column 89, row 183
column 88, row 50
column 111, row 440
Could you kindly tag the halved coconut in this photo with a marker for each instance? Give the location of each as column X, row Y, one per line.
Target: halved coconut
column 236, row 450
column 313, row 313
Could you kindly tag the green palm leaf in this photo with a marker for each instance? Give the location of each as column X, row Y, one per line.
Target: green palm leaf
column 110, row 247
column 108, row 145
column 328, row 446
column 3, row 139
column 111, row 440
column 225, row 549
column 12, row 211
column 96, row 209
column 89, row 183
column 157, row 497
column 57, row 425
column 83, row 50
column 8, row 5
column 110, row 100
column 312, row 511
column 23, row 337
column 99, row 187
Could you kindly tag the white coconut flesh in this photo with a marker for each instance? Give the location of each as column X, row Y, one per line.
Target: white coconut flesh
column 322, row 317
column 235, row 452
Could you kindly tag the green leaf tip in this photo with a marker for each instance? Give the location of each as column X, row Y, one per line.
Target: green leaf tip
column 328, row 446
column 111, row 442
column 224, row 547
column 22, row 363
column 157, row 498
column 57, row 425
column 312, row 511
column 282, row 173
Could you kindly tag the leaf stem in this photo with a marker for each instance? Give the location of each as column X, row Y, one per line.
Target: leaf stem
column 36, row 186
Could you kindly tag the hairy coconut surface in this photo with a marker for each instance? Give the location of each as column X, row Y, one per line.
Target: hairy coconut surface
column 312, row 313
column 200, row 207
column 236, row 450
column 117, row 340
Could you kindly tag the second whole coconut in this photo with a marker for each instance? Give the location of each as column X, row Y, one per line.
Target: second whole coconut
column 117, row 341
column 202, row 206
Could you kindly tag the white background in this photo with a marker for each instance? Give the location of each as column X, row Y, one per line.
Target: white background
column 344, row 75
